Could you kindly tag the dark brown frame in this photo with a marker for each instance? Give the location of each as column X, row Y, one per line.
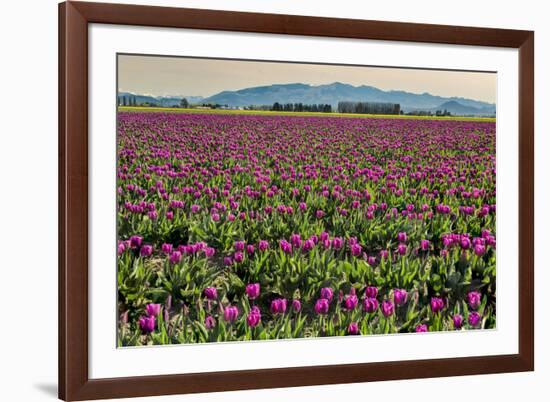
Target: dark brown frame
column 74, row 17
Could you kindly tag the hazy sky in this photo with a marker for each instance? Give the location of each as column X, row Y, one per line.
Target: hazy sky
column 153, row 75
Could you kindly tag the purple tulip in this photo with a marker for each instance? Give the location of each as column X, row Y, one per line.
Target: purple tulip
column 371, row 292
column 211, row 293
column 421, row 328
column 209, row 252
column 121, row 248
column 327, row 293
column 402, row 249
column 239, row 245
column 465, row 243
column 308, row 245
column 356, row 250
column 250, row 249
column 252, row 290
column 474, row 299
column 147, row 324
column 209, row 322
column 238, row 257
column 437, row 304
column 319, row 214
column 370, row 305
column 399, row 296
column 457, row 321
column 337, row 243
column 285, row 246
column 135, row 241
column 152, row 309
column 263, row 245
column 167, row 248
column 387, row 308
column 353, row 328
column 424, row 245
column 295, row 240
column 350, row 302
column 402, row 237
column 227, row 261
column 254, row 317
column 230, row 313
column 175, row 257
column 278, row 306
column 321, row 306
column 474, row 319
column 146, row 250
column 479, row 249
column 296, row 305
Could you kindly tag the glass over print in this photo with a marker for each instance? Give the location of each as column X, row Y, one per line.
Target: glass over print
column 265, row 200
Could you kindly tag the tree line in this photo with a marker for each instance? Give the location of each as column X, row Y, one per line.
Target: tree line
column 369, row 107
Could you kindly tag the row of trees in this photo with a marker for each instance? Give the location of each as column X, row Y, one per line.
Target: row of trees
column 127, row 101
column 301, row 107
column 369, row 107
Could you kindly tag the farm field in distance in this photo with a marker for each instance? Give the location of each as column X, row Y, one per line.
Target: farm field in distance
column 312, row 114
column 250, row 225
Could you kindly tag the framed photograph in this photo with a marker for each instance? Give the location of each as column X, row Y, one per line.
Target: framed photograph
column 260, row 200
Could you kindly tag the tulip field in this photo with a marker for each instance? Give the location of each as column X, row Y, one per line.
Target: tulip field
column 238, row 227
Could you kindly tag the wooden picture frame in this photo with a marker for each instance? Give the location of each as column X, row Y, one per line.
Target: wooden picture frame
column 74, row 381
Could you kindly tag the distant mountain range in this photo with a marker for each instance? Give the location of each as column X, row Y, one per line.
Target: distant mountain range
column 332, row 94
column 166, row 101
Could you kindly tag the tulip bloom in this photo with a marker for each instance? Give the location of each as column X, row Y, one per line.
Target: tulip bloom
column 285, row 246
column 421, row 328
column 209, row 322
column 350, row 302
column 152, row 309
column 399, row 296
column 211, row 293
column 263, row 245
column 175, row 257
column 387, row 308
column 479, row 250
column 254, row 317
column 278, row 306
column 402, row 237
column 296, row 305
column 321, row 306
column 337, row 243
column 327, row 293
column 371, row 292
column 230, row 313
column 167, row 248
column 146, row 250
column 239, row 245
column 353, row 328
column 424, row 245
column 238, row 257
column 252, row 290
column 402, row 249
column 474, row 299
column 356, row 250
column 135, row 241
column 457, row 321
column 474, row 319
column 147, row 324
column 437, row 304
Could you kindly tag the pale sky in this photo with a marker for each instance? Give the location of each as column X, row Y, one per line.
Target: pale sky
column 159, row 75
